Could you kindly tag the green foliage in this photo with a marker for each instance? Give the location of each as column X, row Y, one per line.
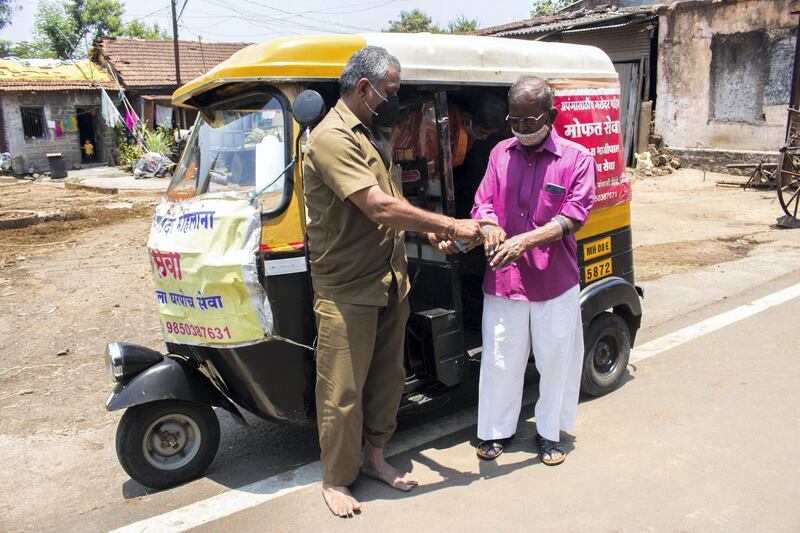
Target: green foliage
column 93, row 18
column 143, row 31
column 54, row 25
column 129, row 151
column 462, row 25
column 416, row 20
column 412, row 22
column 70, row 26
column 7, row 8
column 159, row 140
column 548, row 7
column 26, row 49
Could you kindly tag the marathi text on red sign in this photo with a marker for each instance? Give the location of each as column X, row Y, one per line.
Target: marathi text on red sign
column 591, row 118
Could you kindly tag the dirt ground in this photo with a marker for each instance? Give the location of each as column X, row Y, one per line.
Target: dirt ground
column 80, row 278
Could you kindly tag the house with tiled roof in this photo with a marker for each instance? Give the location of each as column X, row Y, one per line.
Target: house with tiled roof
column 146, row 71
column 51, row 106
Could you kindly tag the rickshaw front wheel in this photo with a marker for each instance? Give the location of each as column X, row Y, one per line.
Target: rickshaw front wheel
column 166, row 443
column 607, row 349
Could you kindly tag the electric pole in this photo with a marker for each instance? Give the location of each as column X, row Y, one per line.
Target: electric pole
column 175, row 41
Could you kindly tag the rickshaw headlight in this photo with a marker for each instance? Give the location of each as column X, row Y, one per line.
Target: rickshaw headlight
column 114, row 361
column 125, row 360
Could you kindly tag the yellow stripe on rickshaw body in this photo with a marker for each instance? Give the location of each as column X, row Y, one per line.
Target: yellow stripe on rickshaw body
column 605, row 220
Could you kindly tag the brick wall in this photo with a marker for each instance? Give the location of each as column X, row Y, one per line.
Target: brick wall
column 58, row 105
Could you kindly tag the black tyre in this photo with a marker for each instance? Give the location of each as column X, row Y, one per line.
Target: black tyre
column 607, row 345
column 166, row 443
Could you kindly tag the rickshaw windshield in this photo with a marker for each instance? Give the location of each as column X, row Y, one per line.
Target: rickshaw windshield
column 239, row 145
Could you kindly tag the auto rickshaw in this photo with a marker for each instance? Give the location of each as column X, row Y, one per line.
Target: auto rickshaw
column 227, row 244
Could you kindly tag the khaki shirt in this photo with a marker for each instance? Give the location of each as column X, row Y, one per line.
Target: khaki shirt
column 353, row 259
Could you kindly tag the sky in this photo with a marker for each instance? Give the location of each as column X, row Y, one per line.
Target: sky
column 261, row 20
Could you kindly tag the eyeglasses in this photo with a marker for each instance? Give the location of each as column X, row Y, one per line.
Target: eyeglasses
column 528, row 122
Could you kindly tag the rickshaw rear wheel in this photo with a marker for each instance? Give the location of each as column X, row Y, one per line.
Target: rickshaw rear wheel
column 607, row 350
column 166, row 443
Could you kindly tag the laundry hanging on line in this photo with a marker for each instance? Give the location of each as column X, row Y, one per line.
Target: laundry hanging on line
column 109, row 111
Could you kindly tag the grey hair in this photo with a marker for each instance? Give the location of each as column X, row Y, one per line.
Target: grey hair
column 532, row 86
column 371, row 62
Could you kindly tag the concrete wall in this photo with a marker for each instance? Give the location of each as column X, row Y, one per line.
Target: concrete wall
column 724, row 71
column 58, row 105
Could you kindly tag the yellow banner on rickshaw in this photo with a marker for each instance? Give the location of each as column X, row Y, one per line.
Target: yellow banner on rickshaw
column 203, row 255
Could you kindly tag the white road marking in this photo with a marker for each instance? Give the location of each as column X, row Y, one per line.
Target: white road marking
column 259, row 492
column 236, row 500
column 682, row 336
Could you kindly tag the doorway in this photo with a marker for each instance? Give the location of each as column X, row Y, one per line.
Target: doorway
column 630, row 89
column 87, row 131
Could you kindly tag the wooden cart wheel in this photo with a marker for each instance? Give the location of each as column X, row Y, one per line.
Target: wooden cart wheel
column 789, row 183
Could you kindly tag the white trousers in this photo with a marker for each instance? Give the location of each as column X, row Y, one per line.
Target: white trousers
column 510, row 328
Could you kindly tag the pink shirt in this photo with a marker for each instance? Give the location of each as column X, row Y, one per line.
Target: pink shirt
column 513, row 194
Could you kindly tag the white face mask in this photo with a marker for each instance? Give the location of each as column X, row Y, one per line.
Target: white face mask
column 532, row 139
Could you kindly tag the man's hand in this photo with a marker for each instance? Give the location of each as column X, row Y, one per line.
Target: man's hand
column 442, row 243
column 493, row 237
column 448, row 246
column 510, row 251
column 468, row 230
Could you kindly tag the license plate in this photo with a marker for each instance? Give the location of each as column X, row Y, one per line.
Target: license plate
column 597, row 270
column 596, row 248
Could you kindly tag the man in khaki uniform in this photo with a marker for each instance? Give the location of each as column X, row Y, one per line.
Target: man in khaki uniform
column 357, row 217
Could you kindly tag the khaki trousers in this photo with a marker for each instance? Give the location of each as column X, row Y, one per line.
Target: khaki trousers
column 360, row 378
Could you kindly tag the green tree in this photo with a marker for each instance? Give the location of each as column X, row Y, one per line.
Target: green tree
column 7, row 8
column 26, row 49
column 54, row 25
column 143, row 31
column 462, row 25
column 412, row 22
column 70, row 27
column 547, row 7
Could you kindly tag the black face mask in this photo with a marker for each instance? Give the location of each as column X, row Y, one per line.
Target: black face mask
column 386, row 113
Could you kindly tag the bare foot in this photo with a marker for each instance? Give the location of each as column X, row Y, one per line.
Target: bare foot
column 340, row 501
column 376, row 467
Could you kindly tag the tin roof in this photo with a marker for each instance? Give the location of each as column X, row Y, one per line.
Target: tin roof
column 567, row 20
column 53, row 75
column 151, row 63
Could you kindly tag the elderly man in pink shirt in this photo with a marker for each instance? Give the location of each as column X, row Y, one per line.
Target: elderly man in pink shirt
column 539, row 188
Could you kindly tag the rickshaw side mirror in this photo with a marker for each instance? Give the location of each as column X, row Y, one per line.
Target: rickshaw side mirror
column 308, row 108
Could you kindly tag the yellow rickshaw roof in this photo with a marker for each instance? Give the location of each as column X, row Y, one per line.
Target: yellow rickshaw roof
column 424, row 58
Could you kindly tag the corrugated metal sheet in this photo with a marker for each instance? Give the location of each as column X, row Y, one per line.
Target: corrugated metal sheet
column 629, row 43
column 630, row 85
column 567, row 20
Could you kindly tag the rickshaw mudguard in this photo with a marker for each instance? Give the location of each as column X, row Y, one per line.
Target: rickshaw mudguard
column 612, row 293
column 171, row 379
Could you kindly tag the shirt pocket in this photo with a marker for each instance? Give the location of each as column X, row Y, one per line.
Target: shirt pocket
column 549, row 205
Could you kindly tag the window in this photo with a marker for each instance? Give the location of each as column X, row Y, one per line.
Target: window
column 34, row 124
column 739, row 72
column 237, row 144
